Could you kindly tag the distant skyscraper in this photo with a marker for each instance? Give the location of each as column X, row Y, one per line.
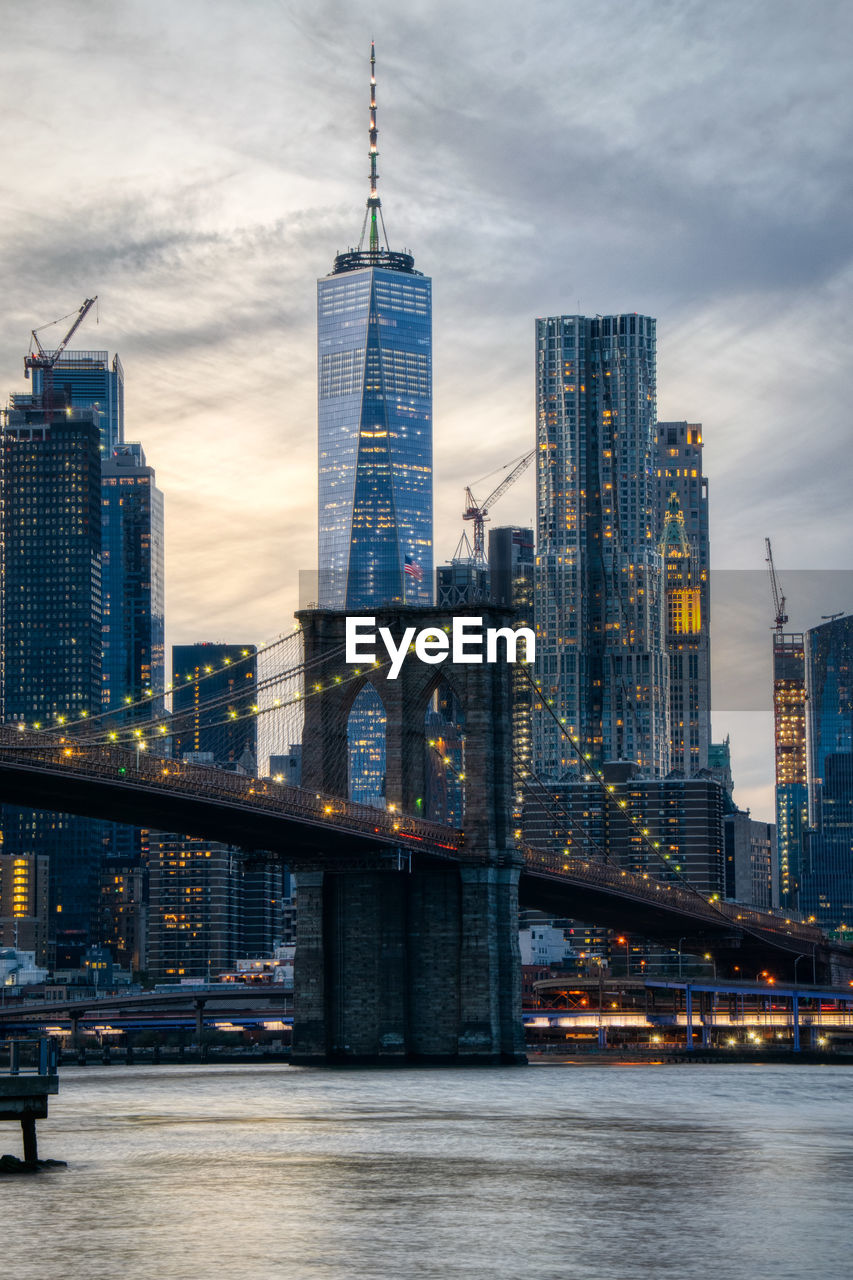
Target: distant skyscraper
column 686, row 550
column 687, row 646
column 90, row 381
column 826, row 886
column 789, row 722
column 50, row 605
column 51, row 581
column 212, row 705
column 132, row 580
column 512, row 568
column 599, row 604
column 375, row 420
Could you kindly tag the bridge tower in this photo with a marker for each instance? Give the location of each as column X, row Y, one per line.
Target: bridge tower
column 403, row 958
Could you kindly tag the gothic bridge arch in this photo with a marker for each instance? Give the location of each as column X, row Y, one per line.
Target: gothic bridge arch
column 417, row 962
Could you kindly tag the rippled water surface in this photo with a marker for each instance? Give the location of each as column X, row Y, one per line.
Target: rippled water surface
column 256, row 1172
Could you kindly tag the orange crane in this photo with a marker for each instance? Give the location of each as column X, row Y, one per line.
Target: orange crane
column 38, row 358
column 778, row 598
column 479, row 511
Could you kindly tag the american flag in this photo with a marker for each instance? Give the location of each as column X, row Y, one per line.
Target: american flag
column 413, row 570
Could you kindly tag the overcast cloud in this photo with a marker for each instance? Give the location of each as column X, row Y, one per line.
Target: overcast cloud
column 198, row 165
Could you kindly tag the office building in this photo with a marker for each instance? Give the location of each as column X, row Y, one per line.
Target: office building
column 132, row 581
column 720, row 764
column 789, row 723
column 24, row 903
column 685, row 548
column 50, row 605
column 123, row 910
column 687, row 647
column 374, row 358
column 51, row 581
column 751, row 862
column 208, row 907
column 512, row 567
column 90, row 380
column 213, row 705
column 194, row 908
column 599, row 600
column 684, row 816
column 375, row 419
column 826, row 885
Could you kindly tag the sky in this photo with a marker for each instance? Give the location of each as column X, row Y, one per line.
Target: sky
column 199, row 165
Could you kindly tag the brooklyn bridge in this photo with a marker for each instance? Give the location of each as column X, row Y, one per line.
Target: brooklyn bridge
column 407, row 928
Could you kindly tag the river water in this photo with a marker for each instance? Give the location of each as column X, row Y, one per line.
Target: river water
column 549, row 1171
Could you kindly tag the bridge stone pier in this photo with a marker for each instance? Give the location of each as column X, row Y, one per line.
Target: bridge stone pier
column 401, row 957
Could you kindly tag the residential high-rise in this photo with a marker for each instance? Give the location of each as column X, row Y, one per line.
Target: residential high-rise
column 375, row 419
column 132, row 580
column 89, row 380
column 215, row 686
column 826, row 885
column 789, row 722
column 601, row 655
column 683, row 509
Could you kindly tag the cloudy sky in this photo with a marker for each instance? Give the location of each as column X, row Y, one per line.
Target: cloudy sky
column 198, row 165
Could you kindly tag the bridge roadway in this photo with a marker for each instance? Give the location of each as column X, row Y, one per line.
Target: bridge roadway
column 115, row 784
column 221, row 1002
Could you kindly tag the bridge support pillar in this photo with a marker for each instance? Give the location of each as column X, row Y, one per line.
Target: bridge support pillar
column 396, row 966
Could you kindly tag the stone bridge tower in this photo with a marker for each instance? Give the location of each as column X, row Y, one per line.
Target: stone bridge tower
column 401, row 959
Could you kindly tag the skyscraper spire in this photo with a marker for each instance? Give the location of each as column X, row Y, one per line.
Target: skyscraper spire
column 377, row 252
column 373, row 202
column 373, row 212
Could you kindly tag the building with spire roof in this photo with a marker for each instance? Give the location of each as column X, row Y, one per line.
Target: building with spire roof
column 374, row 360
column 679, row 473
column 686, row 644
column 375, row 418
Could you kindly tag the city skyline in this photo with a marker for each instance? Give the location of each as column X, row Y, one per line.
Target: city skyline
column 202, row 225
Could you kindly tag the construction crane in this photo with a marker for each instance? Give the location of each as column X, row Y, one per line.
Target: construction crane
column 778, row 598
column 38, row 358
column 479, row 511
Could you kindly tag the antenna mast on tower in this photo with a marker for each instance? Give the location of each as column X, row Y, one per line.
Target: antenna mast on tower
column 373, row 212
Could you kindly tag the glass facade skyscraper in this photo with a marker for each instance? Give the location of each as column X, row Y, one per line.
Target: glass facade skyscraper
column 375, row 432
column 374, row 361
column 601, row 657
column 789, row 724
column 51, row 627
column 826, row 886
column 374, row 358
column 91, row 381
column 215, row 687
column 686, row 551
column 132, row 580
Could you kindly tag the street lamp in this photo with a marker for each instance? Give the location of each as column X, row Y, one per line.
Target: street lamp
column 623, row 940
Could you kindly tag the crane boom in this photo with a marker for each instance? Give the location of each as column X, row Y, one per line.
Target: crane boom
column 479, row 511
column 778, row 598
column 48, row 360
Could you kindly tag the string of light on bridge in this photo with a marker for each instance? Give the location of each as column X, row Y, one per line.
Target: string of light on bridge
column 596, row 775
